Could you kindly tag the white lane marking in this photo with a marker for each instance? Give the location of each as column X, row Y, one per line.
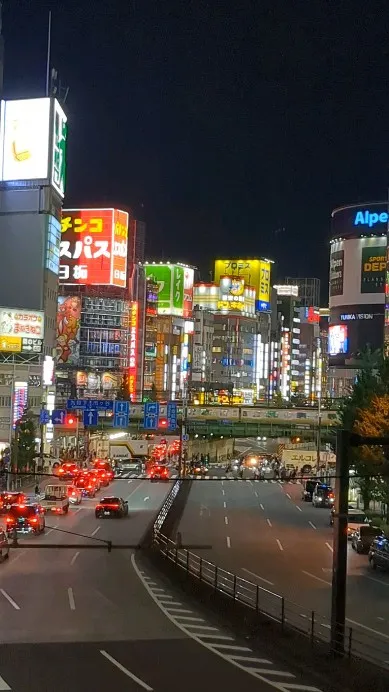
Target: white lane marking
column 251, row 659
column 129, row 482
column 178, row 610
column 299, row 508
column 146, row 498
column 257, row 576
column 226, row 521
column 225, row 505
column 127, row 672
column 255, row 493
column 262, row 507
column 211, row 646
column 228, row 542
column 313, row 576
column 205, row 628
column 9, row 599
column 189, row 617
column 222, row 482
column 74, row 558
column 72, row 603
column 313, row 525
column 13, row 559
column 279, row 544
column 300, row 688
column 3, row 685
column 378, row 581
column 269, row 522
column 223, row 492
column 369, row 629
column 382, row 619
column 95, row 531
column 271, row 671
column 329, row 546
column 76, row 511
column 287, row 495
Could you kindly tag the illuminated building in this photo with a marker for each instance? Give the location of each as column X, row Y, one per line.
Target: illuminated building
column 169, row 333
column 101, row 307
column 33, row 139
column 358, row 271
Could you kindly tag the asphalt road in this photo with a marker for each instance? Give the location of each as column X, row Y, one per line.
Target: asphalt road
column 77, row 618
column 265, row 533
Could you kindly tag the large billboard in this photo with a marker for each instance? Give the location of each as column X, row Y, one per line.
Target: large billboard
column 94, row 246
column 21, row 331
column 68, row 330
column 373, row 268
column 133, row 350
column 173, row 297
column 357, row 271
column 33, row 142
column 254, row 272
column 355, row 219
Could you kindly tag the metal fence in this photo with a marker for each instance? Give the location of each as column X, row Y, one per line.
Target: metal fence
column 360, row 642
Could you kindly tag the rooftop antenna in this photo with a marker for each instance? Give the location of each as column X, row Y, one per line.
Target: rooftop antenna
column 48, row 56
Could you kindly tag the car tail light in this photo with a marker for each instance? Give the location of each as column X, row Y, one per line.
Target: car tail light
column 33, row 520
column 9, row 520
column 99, row 506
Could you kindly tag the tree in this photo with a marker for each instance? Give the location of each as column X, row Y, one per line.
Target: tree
column 123, row 393
column 23, row 446
column 277, row 400
column 373, row 464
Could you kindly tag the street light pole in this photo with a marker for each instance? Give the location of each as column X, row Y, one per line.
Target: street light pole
column 318, row 461
column 339, row 567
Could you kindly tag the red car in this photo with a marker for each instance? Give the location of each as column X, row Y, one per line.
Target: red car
column 86, row 485
column 68, row 471
column 26, row 518
column 8, row 499
column 159, row 473
column 105, row 466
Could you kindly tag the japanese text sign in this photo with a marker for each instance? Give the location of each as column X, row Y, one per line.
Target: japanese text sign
column 94, row 247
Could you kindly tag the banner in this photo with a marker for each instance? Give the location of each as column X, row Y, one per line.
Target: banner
column 336, row 273
column 373, row 269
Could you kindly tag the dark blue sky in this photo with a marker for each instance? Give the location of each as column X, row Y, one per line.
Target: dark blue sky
column 222, row 121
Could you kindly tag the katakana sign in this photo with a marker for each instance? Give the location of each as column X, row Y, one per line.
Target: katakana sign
column 94, row 247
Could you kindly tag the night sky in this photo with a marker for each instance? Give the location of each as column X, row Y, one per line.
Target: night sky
column 233, row 128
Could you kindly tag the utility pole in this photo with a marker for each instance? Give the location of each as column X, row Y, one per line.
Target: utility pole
column 42, row 437
column 184, row 420
column 318, row 431
column 339, row 568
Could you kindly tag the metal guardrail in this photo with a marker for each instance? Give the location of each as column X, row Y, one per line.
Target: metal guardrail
column 360, row 643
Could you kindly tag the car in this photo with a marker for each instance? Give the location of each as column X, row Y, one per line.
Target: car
column 198, row 469
column 86, row 486
column 323, row 496
column 8, row 499
column 93, row 475
column 355, row 519
column 26, row 519
column 68, row 470
column 102, row 464
column 111, row 507
column 158, row 472
column 379, row 554
column 308, row 490
column 130, row 466
column 364, row 536
column 102, row 476
column 4, row 545
column 74, row 494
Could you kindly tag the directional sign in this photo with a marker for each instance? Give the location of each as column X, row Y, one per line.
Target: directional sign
column 121, row 407
column 44, row 417
column 120, row 420
column 172, row 415
column 151, row 415
column 185, row 437
column 90, row 417
column 58, row 417
column 90, row 404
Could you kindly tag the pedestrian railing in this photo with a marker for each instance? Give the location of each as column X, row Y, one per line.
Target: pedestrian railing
column 360, row 642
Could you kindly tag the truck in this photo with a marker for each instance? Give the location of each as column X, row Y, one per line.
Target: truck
column 56, row 498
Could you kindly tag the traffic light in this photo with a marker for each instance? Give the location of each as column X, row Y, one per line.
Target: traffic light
column 70, row 420
column 162, row 423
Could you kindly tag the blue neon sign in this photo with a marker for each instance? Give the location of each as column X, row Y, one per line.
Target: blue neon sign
column 368, row 218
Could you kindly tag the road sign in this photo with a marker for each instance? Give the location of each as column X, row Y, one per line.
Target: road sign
column 90, row 417
column 185, row 437
column 120, row 420
column 172, row 415
column 44, row 417
column 58, row 417
column 89, row 404
column 121, row 407
column 151, row 415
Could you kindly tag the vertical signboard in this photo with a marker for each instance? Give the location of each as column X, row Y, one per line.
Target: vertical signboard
column 264, row 282
column 94, row 247
column 133, row 336
column 19, row 401
column 173, row 297
column 188, row 291
column 336, row 273
column 68, row 330
column 25, row 137
column 178, row 289
column 58, row 169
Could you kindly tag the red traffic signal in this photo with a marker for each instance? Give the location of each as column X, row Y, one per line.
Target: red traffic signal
column 70, row 420
column 162, row 423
